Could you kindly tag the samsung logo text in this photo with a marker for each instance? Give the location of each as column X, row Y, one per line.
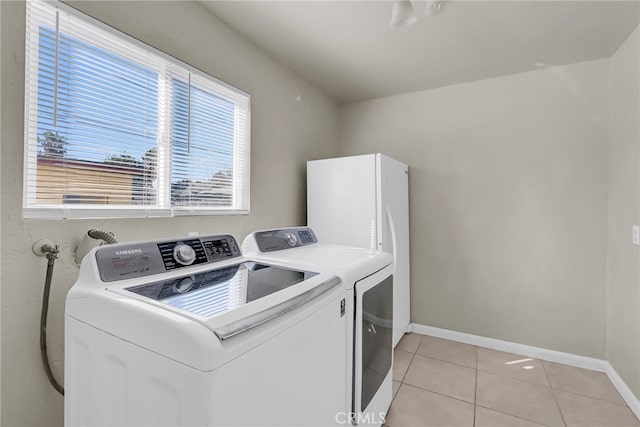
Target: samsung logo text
column 129, row 252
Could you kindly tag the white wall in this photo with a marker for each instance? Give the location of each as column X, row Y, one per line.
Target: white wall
column 508, row 201
column 291, row 123
column 623, row 296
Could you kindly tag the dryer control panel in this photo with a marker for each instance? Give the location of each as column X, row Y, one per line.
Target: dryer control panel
column 277, row 240
column 127, row 261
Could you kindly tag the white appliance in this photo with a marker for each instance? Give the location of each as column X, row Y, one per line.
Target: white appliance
column 364, row 201
column 187, row 332
column 368, row 285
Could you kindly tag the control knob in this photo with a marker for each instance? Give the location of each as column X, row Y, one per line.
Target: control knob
column 291, row 239
column 184, row 254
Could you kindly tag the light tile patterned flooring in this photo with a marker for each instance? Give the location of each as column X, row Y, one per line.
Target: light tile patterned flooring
column 444, row 383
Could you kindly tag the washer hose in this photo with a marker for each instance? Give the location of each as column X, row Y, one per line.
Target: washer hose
column 106, row 236
column 52, row 255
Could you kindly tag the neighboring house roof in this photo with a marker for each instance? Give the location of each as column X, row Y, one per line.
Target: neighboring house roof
column 86, row 164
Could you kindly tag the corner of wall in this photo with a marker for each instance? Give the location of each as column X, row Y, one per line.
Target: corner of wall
column 623, row 211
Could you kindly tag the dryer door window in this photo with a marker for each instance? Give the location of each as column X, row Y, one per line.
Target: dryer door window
column 377, row 335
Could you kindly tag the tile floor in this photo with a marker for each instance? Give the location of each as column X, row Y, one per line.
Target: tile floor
column 444, row 383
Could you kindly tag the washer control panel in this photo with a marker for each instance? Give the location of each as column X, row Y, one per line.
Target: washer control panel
column 277, row 240
column 127, row 261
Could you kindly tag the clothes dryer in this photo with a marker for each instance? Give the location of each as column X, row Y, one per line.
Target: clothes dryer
column 367, row 280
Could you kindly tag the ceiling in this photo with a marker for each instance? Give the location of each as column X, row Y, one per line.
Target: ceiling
column 348, row 49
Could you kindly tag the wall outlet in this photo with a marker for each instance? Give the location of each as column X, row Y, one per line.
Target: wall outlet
column 635, row 231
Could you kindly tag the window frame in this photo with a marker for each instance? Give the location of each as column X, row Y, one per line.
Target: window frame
column 166, row 66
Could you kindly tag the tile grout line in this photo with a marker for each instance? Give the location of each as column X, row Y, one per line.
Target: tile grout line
column 516, row 379
column 555, row 397
column 514, row 416
column 443, row 361
column 575, row 393
column 405, row 372
column 585, row 395
column 438, row 393
column 446, row 361
column 401, row 381
column 484, row 370
column 425, row 389
column 413, row 355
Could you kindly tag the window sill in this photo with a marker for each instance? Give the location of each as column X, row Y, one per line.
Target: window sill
column 56, row 213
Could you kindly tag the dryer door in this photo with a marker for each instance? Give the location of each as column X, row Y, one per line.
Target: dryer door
column 374, row 347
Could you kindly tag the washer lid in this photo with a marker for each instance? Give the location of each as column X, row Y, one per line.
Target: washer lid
column 214, row 292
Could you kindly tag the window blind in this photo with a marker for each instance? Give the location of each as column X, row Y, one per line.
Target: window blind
column 116, row 128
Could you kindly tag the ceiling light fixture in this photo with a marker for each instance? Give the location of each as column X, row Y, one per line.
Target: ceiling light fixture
column 433, row 7
column 403, row 15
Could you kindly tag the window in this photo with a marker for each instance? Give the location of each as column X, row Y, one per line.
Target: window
column 115, row 128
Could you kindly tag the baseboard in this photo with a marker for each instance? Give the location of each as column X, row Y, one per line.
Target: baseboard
column 624, row 390
column 583, row 362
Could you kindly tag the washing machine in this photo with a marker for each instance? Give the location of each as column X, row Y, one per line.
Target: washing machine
column 188, row 332
column 367, row 280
